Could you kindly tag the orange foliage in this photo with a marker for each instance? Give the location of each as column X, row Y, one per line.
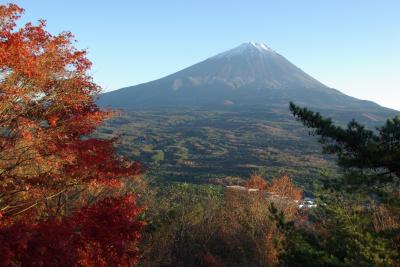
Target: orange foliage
column 285, row 196
column 252, row 208
column 47, row 106
column 284, row 187
column 47, row 111
column 273, row 239
column 257, row 182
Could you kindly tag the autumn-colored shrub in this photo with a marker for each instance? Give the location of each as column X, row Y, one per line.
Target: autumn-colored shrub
column 284, row 187
column 193, row 225
column 285, row 195
column 257, row 182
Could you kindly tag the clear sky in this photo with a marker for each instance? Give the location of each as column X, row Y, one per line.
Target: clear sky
column 351, row 45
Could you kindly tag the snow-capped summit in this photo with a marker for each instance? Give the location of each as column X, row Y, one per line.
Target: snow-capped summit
column 247, row 75
column 260, row 46
column 250, row 47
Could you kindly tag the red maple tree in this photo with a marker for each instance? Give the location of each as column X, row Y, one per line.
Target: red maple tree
column 49, row 164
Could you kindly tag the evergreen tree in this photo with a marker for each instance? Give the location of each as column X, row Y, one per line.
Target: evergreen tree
column 358, row 148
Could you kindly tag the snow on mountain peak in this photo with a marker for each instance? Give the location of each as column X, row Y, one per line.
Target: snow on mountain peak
column 261, row 46
column 246, row 47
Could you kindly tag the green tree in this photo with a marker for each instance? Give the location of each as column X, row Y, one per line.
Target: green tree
column 356, row 147
column 356, row 229
column 158, row 156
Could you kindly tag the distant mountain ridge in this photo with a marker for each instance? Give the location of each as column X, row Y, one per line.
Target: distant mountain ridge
column 251, row 74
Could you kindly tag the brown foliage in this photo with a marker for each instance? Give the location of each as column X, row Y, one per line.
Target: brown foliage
column 383, row 220
column 233, row 229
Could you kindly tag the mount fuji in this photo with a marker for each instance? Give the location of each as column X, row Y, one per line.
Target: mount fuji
column 249, row 75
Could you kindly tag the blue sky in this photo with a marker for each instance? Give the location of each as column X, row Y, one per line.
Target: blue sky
column 351, row 45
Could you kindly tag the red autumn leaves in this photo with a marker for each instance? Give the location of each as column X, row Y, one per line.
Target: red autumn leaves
column 95, row 235
column 49, row 215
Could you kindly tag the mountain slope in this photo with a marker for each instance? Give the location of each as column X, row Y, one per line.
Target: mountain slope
column 229, row 116
column 250, row 74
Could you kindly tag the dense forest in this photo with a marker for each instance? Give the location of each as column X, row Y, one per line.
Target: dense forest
column 215, row 146
column 72, row 194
